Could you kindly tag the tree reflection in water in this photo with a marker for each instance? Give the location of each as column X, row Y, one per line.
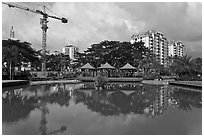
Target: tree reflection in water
column 187, row 99
column 18, row 105
column 116, row 99
column 126, row 98
column 15, row 106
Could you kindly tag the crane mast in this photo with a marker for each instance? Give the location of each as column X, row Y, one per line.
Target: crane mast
column 43, row 22
column 44, row 27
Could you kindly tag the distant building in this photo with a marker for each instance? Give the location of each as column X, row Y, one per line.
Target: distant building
column 176, row 49
column 155, row 41
column 12, row 34
column 71, row 51
column 160, row 45
column 56, row 53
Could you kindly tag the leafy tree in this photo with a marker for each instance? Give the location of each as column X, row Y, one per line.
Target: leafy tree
column 53, row 62
column 150, row 67
column 197, row 65
column 15, row 52
column 114, row 52
column 58, row 62
column 64, row 61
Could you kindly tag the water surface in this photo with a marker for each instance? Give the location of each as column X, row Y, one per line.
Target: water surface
column 123, row 108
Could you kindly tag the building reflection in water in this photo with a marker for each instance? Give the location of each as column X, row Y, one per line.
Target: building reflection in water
column 149, row 100
column 116, row 99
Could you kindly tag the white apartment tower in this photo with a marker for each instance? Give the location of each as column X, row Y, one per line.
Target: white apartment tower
column 155, row 41
column 71, row 51
column 176, row 49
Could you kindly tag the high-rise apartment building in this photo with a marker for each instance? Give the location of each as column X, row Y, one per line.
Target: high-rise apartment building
column 155, row 41
column 176, row 49
column 71, row 51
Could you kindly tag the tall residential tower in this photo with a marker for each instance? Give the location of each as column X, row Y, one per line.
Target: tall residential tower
column 176, row 49
column 155, row 41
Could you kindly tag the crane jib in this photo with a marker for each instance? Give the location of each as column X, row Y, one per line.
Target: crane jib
column 43, row 22
column 38, row 11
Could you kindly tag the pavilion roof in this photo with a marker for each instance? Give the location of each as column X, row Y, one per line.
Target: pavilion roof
column 106, row 66
column 87, row 66
column 128, row 66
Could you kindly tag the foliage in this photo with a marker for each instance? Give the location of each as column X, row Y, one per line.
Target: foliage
column 187, row 68
column 58, row 62
column 150, row 67
column 118, row 54
column 115, row 53
column 15, row 52
column 100, row 81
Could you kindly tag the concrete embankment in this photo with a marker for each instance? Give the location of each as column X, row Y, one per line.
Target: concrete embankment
column 54, row 82
column 155, row 82
column 193, row 84
column 111, row 79
column 7, row 83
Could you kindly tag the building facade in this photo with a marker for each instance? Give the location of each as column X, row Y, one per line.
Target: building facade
column 160, row 45
column 71, row 51
column 176, row 49
column 155, row 41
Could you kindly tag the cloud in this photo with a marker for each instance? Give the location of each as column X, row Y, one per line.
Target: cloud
column 88, row 23
column 91, row 23
column 193, row 48
column 178, row 21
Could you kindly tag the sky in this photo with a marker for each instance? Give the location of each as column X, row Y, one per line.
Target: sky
column 93, row 22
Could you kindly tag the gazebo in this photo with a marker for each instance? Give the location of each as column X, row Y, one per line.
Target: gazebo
column 106, row 69
column 88, row 70
column 128, row 70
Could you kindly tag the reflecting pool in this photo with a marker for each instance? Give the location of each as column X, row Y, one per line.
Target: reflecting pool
column 120, row 109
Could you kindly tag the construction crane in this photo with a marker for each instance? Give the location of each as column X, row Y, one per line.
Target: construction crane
column 43, row 22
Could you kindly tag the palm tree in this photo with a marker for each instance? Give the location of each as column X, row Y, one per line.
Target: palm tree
column 186, row 67
column 197, row 65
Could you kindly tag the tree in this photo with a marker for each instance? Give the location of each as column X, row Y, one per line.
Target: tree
column 15, row 52
column 197, row 65
column 58, row 62
column 64, row 61
column 186, row 67
column 53, row 62
column 150, row 67
column 116, row 53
